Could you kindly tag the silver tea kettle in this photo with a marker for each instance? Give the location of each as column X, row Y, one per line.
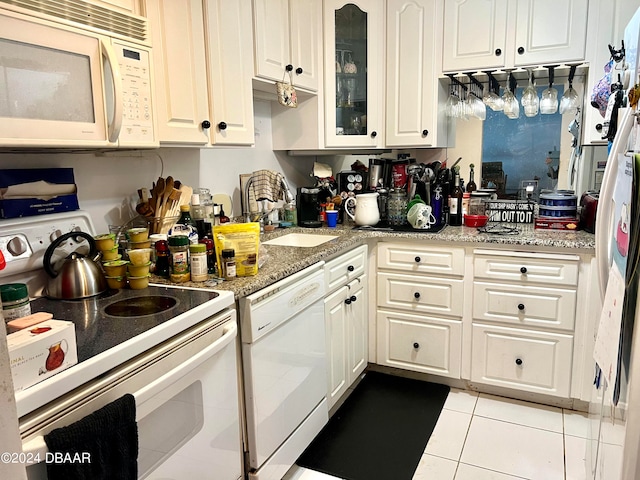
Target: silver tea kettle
column 79, row 276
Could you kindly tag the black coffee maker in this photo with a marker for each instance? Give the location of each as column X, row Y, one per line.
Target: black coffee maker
column 308, row 205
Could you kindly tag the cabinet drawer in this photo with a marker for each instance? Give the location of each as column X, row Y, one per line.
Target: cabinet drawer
column 526, row 268
column 420, row 293
column 419, row 343
column 421, row 258
column 522, row 359
column 524, row 305
column 341, row 270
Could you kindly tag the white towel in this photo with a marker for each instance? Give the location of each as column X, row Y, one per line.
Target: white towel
column 265, row 189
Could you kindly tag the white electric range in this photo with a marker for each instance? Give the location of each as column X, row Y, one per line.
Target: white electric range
column 174, row 349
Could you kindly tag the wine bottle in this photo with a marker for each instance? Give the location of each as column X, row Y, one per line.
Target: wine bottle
column 455, row 203
column 471, row 185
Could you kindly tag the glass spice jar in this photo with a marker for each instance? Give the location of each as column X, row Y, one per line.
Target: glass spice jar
column 228, row 263
column 397, row 207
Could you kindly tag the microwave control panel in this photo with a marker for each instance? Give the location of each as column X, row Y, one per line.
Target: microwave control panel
column 137, row 122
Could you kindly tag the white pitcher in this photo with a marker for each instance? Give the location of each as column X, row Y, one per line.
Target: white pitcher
column 366, row 205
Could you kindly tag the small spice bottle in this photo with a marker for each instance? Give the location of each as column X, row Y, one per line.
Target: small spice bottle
column 15, row 301
column 228, row 263
column 162, row 258
column 198, row 256
column 179, row 258
column 211, row 255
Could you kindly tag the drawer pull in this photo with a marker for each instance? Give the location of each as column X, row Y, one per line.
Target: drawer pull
column 347, row 301
column 523, row 270
column 351, row 268
column 521, row 306
column 417, row 294
column 416, row 345
column 518, row 361
column 353, row 298
column 417, row 259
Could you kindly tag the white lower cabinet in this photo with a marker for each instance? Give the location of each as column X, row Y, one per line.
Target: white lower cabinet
column 419, row 342
column 420, row 305
column 346, row 322
column 522, row 359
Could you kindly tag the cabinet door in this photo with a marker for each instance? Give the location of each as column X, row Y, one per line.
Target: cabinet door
column 419, row 343
column 412, row 93
column 474, row 34
column 305, row 23
column 271, row 27
column 180, row 73
column 550, row 31
column 357, row 328
column 354, row 51
column 524, row 359
column 335, row 311
column 230, row 55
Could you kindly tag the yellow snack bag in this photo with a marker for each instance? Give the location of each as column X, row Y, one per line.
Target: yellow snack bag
column 244, row 238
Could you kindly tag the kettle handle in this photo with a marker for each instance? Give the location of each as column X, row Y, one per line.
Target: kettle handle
column 58, row 241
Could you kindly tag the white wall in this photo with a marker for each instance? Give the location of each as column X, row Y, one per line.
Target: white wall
column 108, row 183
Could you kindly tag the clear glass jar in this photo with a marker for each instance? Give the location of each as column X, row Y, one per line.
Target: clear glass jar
column 397, row 207
column 15, row 301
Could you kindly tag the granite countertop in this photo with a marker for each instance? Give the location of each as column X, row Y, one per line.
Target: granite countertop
column 282, row 261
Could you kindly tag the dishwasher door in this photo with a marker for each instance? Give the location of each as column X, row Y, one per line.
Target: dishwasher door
column 285, row 371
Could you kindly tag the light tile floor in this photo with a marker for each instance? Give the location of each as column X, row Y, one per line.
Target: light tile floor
column 484, row 437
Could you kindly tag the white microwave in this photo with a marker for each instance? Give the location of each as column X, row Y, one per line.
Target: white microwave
column 62, row 85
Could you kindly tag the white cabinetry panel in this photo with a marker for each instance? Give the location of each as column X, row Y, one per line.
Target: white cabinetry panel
column 522, row 359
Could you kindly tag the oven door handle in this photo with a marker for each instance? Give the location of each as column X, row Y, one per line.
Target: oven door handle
column 37, row 448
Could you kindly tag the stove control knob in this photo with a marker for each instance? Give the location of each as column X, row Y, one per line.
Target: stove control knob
column 55, row 235
column 16, row 246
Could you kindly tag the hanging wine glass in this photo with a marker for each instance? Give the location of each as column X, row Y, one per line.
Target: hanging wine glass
column 530, row 101
column 549, row 97
column 570, row 101
column 511, row 105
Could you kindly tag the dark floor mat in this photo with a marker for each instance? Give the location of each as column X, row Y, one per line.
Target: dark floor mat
column 380, row 432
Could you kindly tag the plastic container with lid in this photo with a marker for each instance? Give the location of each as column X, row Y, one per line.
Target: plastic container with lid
column 179, row 258
column 198, row 262
column 211, row 257
column 15, row 301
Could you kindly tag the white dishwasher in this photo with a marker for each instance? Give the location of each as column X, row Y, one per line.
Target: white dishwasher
column 284, row 360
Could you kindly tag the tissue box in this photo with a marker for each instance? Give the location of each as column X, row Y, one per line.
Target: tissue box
column 40, row 351
column 37, row 191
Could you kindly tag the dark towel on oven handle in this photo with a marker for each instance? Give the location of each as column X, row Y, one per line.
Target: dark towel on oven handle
column 108, row 438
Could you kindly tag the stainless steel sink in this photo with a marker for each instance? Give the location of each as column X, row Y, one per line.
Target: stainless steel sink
column 304, row 240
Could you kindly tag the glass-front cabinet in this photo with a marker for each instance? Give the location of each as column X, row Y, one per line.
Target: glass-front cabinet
column 354, row 48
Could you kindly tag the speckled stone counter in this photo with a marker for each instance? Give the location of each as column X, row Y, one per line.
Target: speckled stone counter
column 282, row 261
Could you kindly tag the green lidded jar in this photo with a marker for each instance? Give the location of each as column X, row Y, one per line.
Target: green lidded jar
column 15, row 301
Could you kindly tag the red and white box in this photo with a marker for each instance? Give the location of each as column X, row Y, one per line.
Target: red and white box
column 40, row 351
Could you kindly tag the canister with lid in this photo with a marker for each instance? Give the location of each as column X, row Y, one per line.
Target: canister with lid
column 179, row 258
column 397, row 207
column 15, row 301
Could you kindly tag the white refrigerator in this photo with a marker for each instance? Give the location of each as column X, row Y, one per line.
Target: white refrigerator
column 613, row 449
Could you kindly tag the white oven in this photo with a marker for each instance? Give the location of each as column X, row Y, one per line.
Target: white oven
column 178, row 357
column 74, row 74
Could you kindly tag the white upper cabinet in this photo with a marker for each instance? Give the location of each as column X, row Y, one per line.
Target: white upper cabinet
column 550, row 31
column 353, row 54
column 230, row 61
column 287, row 32
column 475, row 34
column 413, row 116
column 482, row 34
column 202, row 54
column 180, row 70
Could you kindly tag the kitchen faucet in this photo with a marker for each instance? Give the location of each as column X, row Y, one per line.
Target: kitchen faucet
column 259, row 216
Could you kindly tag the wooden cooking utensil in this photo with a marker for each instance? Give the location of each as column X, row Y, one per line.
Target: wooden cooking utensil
column 174, row 203
column 157, row 194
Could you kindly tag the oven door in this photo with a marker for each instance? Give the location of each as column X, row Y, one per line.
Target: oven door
column 187, row 406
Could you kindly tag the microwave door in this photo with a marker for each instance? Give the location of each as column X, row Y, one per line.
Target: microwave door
column 51, row 86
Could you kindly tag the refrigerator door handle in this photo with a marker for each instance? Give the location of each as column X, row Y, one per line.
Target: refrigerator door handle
column 605, row 206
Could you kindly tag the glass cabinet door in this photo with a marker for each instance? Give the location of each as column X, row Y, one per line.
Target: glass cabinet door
column 354, row 48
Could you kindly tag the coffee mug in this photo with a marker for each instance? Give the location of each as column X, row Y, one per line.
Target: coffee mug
column 420, row 216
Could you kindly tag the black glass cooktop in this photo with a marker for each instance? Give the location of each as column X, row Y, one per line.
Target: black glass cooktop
column 115, row 316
